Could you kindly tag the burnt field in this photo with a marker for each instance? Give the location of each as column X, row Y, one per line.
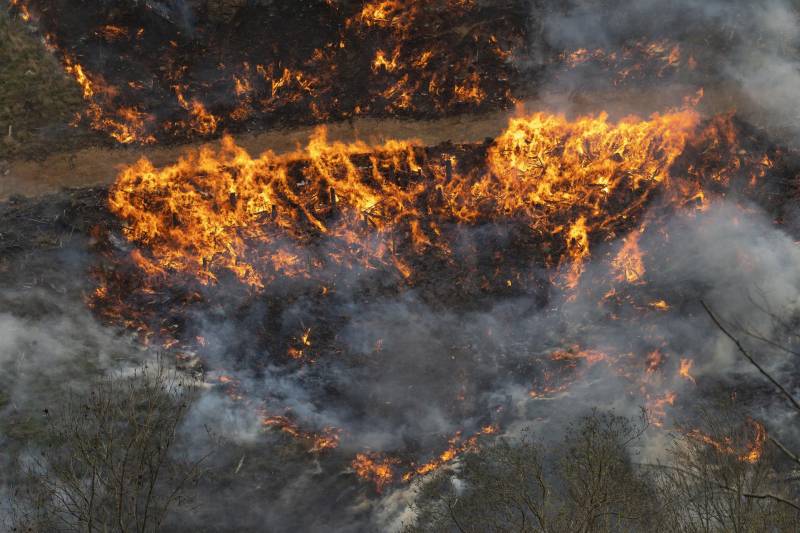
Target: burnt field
column 298, row 296
column 356, row 334
column 156, row 72
column 359, row 323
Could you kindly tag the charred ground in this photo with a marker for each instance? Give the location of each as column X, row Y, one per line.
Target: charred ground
column 386, row 346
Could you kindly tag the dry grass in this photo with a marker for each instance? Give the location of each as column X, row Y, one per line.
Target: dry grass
column 37, row 101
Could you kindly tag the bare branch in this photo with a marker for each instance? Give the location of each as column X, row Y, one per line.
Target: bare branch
column 750, row 358
column 785, row 450
column 751, row 495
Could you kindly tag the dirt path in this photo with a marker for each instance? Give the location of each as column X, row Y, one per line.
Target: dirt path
column 99, row 166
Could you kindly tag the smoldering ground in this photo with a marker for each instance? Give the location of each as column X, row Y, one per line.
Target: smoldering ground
column 440, row 371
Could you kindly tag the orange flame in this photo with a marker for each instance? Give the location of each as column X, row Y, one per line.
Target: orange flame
column 629, row 263
column 685, row 368
column 725, row 445
column 215, row 211
column 373, row 467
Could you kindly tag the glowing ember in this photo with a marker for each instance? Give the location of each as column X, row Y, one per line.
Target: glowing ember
column 753, row 449
column 661, row 305
column 303, row 343
column 637, row 60
column 328, row 439
column 24, row 13
column 458, row 446
column 657, row 406
column 685, row 368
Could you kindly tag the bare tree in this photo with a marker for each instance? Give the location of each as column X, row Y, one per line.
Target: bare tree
column 723, row 478
column 603, row 488
column 108, row 464
column 786, row 330
column 587, row 484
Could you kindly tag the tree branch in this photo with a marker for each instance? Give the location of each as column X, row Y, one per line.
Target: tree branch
column 751, row 495
column 750, row 358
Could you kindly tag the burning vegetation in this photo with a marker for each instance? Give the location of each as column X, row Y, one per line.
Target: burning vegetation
column 146, row 74
column 256, row 218
column 149, row 73
column 313, row 218
column 393, row 309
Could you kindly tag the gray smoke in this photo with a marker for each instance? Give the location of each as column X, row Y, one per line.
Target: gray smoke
column 403, row 395
column 747, row 52
column 413, row 370
column 400, row 396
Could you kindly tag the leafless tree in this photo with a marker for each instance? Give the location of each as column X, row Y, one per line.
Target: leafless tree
column 724, row 472
column 588, row 484
column 782, row 341
column 109, row 461
column 723, row 478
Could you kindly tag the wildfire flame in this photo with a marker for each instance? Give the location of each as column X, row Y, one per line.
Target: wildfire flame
column 629, row 263
column 215, row 211
column 328, row 439
column 408, row 75
column 686, row 367
column 381, row 469
column 569, row 183
column 752, row 451
column 375, row 468
column 566, row 183
column 636, row 60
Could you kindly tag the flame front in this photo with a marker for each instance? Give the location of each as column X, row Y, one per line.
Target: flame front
column 567, row 185
column 216, row 211
column 373, row 467
column 749, row 451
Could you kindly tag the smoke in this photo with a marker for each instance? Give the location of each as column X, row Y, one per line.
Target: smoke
column 408, row 371
column 50, row 342
column 746, row 51
column 49, row 338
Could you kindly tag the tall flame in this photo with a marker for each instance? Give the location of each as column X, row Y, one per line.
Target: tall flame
column 224, row 210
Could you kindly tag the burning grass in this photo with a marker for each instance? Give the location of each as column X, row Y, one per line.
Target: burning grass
column 232, row 212
column 302, row 325
column 368, row 285
column 337, row 222
column 166, row 78
column 150, row 73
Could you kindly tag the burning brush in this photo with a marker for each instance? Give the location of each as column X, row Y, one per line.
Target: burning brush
column 279, row 267
column 308, row 221
column 150, row 72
